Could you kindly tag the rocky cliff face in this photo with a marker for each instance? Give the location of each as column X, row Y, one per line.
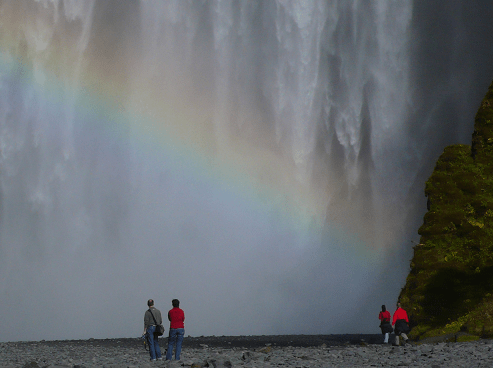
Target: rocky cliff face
column 450, row 285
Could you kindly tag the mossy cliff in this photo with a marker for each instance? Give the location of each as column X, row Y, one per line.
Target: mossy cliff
column 450, row 286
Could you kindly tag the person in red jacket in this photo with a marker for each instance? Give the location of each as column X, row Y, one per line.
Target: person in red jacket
column 400, row 321
column 385, row 326
column 176, row 318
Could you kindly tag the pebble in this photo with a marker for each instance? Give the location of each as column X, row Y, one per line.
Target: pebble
column 439, row 355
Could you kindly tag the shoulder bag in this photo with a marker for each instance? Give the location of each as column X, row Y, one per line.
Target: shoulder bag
column 159, row 328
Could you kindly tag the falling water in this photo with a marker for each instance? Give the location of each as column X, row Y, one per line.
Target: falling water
column 262, row 161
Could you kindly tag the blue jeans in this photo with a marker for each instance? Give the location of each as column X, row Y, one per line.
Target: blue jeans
column 175, row 336
column 152, row 338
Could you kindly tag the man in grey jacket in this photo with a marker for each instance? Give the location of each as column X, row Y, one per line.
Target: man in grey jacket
column 152, row 317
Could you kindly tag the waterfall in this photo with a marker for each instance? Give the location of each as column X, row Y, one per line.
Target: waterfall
column 261, row 161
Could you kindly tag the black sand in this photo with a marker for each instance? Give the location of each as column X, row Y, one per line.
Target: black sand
column 248, row 342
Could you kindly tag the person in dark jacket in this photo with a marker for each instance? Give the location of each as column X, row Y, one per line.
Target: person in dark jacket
column 152, row 317
column 401, row 323
column 385, row 326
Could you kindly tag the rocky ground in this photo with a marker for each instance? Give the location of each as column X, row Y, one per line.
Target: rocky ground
column 290, row 351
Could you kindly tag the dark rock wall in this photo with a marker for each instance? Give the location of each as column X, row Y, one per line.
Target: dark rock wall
column 450, row 285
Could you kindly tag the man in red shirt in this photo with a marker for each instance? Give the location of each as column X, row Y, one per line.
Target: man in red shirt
column 400, row 321
column 176, row 318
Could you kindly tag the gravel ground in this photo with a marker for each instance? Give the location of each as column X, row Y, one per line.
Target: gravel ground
column 296, row 351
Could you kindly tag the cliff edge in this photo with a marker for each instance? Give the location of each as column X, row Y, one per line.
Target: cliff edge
column 450, row 286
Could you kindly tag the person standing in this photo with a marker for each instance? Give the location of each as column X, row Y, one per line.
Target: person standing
column 176, row 318
column 400, row 321
column 152, row 317
column 385, row 326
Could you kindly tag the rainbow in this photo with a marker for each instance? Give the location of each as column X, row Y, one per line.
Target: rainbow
column 165, row 124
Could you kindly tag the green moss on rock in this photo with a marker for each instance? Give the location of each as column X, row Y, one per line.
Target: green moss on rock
column 450, row 286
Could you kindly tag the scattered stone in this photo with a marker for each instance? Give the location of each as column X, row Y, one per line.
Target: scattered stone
column 121, row 353
column 31, row 365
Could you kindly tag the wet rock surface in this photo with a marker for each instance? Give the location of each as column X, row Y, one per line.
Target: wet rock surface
column 296, row 351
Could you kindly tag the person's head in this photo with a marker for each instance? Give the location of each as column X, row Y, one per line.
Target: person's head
column 383, row 308
column 175, row 303
column 150, row 303
column 398, row 305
